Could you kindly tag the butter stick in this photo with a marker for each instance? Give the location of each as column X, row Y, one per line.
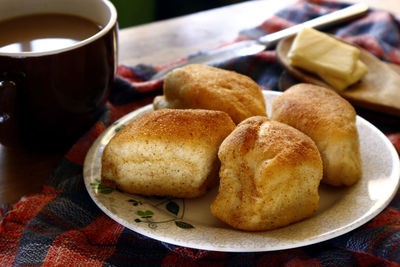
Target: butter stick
column 336, row 62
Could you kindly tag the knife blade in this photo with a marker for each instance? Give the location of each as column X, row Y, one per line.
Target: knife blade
column 251, row 47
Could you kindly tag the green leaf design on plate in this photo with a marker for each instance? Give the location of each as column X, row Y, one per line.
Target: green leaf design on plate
column 103, row 189
column 183, row 225
column 145, row 214
column 173, row 207
column 119, row 128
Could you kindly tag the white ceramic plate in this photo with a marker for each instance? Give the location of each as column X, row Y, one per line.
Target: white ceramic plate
column 189, row 223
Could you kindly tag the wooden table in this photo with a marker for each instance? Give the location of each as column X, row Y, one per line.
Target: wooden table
column 23, row 172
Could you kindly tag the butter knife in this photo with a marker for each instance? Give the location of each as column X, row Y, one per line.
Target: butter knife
column 251, row 47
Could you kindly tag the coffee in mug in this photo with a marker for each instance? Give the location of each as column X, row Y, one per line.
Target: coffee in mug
column 55, row 84
column 44, row 32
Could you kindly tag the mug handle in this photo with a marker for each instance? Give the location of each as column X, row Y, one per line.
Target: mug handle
column 8, row 112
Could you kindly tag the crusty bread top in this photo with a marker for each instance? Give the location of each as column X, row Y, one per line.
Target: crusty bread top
column 167, row 152
column 176, row 125
column 269, row 176
column 331, row 122
column 270, row 139
column 317, row 109
column 205, row 87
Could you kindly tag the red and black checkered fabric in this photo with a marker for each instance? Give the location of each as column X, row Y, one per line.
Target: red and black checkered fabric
column 62, row 226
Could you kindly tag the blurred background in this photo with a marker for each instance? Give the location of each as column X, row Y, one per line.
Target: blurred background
column 136, row 12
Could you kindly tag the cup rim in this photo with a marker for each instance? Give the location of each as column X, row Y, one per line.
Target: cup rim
column 110, row 24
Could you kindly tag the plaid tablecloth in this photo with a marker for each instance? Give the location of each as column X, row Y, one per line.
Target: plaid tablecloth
column 62, row 226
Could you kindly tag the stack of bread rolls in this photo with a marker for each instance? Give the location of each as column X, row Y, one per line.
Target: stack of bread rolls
column 211, row 127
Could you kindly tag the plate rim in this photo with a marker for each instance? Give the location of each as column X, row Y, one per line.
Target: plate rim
column 110, row 130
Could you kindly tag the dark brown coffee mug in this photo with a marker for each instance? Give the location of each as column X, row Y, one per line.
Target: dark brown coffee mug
column 50, row 98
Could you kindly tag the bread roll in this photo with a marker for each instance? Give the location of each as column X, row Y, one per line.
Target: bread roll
column 269, row 177
column 204, row 87
column 167, row 153
column 331, row 122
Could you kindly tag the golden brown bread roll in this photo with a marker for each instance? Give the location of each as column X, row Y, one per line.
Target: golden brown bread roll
column 331, row 122
column 205, row 87
column 269, row 177
column 167, row 153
